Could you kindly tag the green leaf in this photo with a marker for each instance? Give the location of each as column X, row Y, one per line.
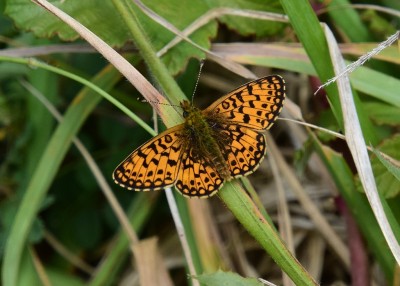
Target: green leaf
column 221, row 278
column 248, row 26
column 99, row 16
column 90, row 13
column 382, row 113
column 348, row 21
column 377, row 24
column 387, row 175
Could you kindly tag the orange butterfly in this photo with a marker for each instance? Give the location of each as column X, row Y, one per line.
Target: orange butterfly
column 213, row 145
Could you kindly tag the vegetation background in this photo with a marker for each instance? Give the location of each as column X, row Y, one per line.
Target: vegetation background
column 57, row 227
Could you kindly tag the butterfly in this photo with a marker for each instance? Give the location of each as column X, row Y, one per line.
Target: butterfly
column 212, row 146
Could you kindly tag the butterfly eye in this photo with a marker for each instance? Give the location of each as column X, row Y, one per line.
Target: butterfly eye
column 185, row 114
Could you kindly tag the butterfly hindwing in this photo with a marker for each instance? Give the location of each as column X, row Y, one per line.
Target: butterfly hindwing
column 246, row 150
column 196, row 177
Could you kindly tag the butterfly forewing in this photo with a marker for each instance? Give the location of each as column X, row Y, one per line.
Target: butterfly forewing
column 256, row 104
column 154, row 165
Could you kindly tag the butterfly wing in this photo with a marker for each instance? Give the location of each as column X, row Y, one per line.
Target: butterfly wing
column 196, row 177
column 246, row 150
column 154, row 165
column 256, row 104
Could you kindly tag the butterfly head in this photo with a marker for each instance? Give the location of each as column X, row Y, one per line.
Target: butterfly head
column 187, row 108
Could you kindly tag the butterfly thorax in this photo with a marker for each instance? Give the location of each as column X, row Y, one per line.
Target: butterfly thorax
column 202, row 133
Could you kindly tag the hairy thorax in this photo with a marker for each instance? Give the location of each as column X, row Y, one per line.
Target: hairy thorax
column 205, row 133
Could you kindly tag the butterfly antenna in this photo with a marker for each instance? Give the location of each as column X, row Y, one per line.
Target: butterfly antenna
column 157, row 102
column 198, row 78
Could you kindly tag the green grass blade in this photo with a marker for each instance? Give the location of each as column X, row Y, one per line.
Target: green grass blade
column 304, row 20
column 358, row 204
column 48, row 165
column 348, row 21
column 138, row 214
column 240, row 204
